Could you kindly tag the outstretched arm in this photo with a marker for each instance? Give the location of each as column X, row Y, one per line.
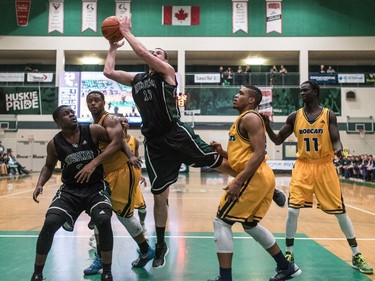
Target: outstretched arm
column 160, row 66
column 47, row 170
column 285, row 131
column 109, row 71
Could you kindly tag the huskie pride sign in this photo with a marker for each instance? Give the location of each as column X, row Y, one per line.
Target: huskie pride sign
column 27, row 100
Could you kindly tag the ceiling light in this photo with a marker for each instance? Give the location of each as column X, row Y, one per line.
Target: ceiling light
column 91, row 60
column 255, row 61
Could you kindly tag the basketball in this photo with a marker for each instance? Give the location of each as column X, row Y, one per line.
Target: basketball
column 110, row 29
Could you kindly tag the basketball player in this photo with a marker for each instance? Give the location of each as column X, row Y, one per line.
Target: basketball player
column 123, row 179
column 139, row 201
column 314, row 172
column 76, row 147
column 168, row 141
column 248, row 196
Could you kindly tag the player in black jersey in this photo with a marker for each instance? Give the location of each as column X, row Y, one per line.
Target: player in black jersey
column 75, row 146
column 168, row 141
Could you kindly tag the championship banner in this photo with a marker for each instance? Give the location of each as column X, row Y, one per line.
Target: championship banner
column 39, row 77
column 239, row 16
column 28, row 100
column 12, row 77
column 273, row 16
column 23, row 11
column 122, row 8
column 56, row 16
column 265, row 105
column 89, row 15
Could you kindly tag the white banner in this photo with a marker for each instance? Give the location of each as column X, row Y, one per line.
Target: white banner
column 351, row 78
column 266, row 103
column 39, row 77
column 89, row 15
column 207, row 78
column 285, row 165
column 273, row 16
column 122, row 8
column 12, row 77
column 239, row 16
column 56, row 16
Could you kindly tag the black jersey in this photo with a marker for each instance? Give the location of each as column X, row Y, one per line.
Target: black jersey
column 74, row 156
column 156, row 101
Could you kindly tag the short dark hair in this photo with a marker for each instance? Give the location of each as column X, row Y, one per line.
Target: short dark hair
column 96, row 92
column 165, row 53
column 55, row 113
column 313, row 85
column 258, row 93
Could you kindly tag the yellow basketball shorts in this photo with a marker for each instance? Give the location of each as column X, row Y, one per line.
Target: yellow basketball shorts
column 254, row 201
column 123, row 184
column 139, row 201
column 317, row 177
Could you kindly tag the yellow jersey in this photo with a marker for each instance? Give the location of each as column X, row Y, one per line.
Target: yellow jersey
column 314, row 141
column 239, row 147
column 118, row 160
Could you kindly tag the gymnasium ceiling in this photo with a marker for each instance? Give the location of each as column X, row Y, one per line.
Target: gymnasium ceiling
column 196, row 57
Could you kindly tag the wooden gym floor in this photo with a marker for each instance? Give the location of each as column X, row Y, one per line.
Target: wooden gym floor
column 320, row 249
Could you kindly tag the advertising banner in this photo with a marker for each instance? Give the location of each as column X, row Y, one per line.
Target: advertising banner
column 28, row 100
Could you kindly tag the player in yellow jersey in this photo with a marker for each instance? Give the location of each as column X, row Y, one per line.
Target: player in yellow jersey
column 248, row 197
column 139, row 201
column 314, row 172
column 123, row 178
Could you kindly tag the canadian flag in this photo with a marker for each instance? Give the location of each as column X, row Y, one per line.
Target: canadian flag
column 181, row 15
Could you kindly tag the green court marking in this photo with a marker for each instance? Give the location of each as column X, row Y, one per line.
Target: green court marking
column 192, row 257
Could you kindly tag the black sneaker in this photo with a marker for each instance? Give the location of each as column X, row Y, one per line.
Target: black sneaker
column 216, row 279
column 107, row 276
column 292, row 271
column 37, row 277
column 160, row 252
column 280, row 198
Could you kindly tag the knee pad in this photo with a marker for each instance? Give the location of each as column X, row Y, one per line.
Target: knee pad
column 132, row 225
column 223, row 236
column 260, row 234
column 99, row 216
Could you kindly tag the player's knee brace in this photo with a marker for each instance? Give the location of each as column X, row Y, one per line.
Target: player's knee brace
column 51, row 224
column 263, row 236
column 223, row 236
column 132, row 225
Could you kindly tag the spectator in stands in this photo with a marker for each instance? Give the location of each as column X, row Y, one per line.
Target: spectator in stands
column 230, row 76
column 372, row 176
column 322, row 70
column 3, row 166
column 370, row 168
column 273, row 72
column 2, row 149
column 330, row 70
column 239, row 76
column 13, row 164
column 347, row 166
column 362, row 167
column 283, row 70
column 358, row 166
column 221, row 71
column 248, row 69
